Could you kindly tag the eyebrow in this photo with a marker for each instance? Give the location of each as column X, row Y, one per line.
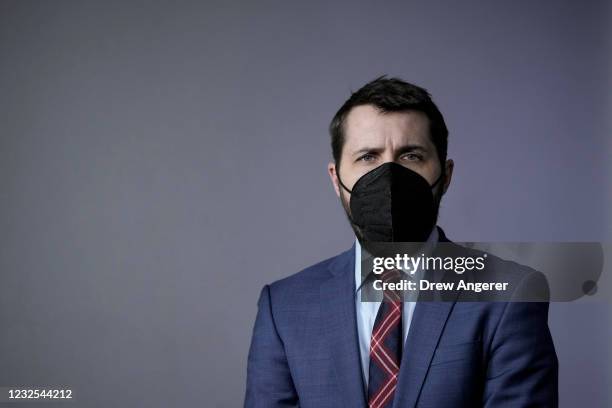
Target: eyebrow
column 412, row 148
column 401, row 150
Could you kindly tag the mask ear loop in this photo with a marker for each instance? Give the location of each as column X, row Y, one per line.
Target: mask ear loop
column 340, row 181
column 437, row 181
column 442, row 175
column 348, row 214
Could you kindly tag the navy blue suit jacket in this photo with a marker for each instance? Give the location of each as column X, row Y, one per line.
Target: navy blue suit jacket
column 304, row 350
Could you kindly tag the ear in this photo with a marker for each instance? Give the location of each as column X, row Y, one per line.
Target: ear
column 331, row 170
column 449, row 166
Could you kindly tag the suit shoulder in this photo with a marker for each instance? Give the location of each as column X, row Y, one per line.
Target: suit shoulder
column 526, row 282
column 305, row 282
column 494, row 264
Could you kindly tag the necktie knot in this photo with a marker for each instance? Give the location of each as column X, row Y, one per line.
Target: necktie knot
column 391, row 276
column 391, row 280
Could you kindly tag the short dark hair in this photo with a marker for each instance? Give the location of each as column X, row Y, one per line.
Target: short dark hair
column 391, row 95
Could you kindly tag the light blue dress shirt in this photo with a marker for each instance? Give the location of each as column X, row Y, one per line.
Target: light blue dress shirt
column 366, row 311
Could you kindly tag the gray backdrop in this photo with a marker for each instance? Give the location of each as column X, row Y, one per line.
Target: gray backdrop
column 161, row 161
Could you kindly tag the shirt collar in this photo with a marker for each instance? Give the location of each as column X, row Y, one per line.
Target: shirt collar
column 432, row 240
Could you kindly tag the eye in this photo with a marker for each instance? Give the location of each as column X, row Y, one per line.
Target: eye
column 412, row 157
column 368, row 157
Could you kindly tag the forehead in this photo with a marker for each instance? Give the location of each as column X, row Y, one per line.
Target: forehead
column 366, row 125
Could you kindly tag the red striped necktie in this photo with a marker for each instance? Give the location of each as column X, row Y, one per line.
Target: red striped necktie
column 386, row 346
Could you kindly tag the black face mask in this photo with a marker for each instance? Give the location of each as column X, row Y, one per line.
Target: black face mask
column 392, row 203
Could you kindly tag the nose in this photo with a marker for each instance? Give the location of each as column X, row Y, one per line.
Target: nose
column 387, row 156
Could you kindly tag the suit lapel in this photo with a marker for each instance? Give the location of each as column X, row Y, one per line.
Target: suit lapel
column 425, row 330
column 339, row 326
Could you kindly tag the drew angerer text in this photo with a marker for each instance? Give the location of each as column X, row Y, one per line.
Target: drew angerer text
column 424, row 285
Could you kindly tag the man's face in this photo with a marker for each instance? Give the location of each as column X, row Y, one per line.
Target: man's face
column 373, row 138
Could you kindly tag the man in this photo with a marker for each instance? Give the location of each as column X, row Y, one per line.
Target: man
column 317, row 344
